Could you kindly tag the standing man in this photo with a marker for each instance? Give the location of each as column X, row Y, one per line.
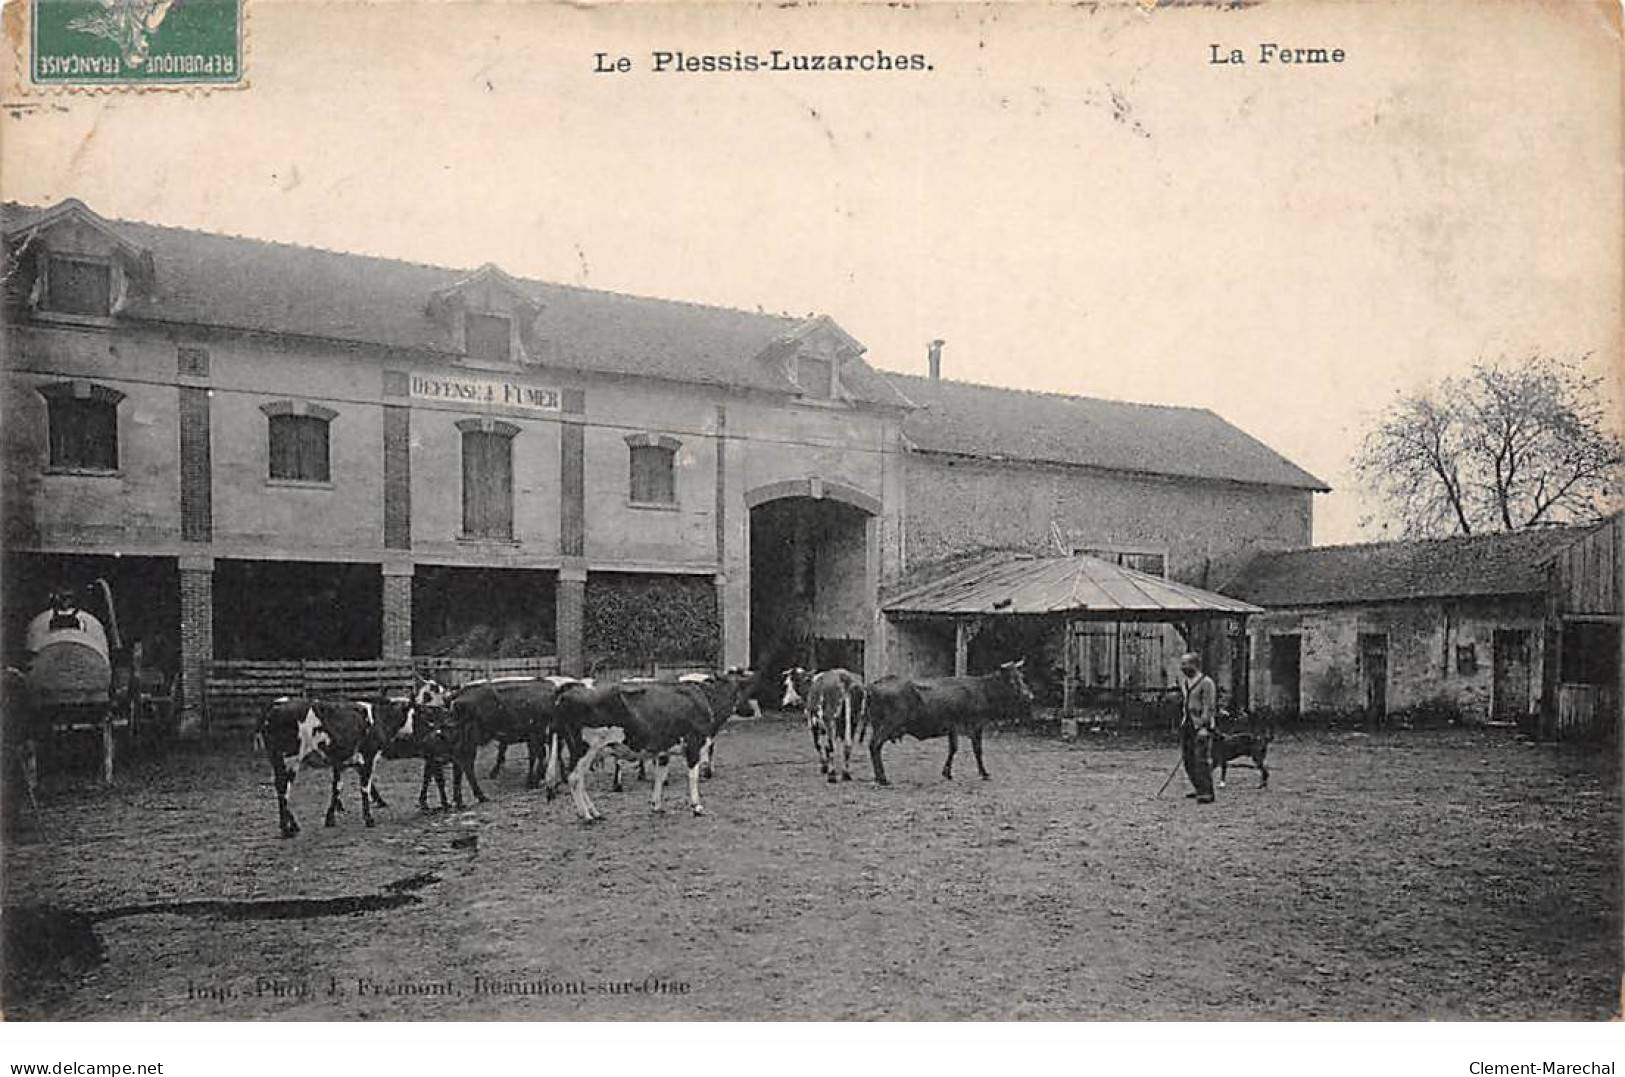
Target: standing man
column 1201, row 704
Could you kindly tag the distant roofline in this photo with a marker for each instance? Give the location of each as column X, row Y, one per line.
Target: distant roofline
column 1073, row 465
column 1395, row 599
column 1052, row 393
column 1477, row 536
column 1317, row 486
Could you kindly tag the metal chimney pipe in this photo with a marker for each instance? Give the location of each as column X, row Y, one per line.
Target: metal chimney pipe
column 933, row 359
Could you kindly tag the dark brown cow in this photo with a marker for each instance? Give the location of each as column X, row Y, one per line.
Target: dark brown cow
column 507, row 710
column 335, row 733
column 944, row 705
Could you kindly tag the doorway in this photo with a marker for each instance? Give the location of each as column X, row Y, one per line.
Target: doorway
column 810, row 598
column 1509, row 692
column 1374, row 675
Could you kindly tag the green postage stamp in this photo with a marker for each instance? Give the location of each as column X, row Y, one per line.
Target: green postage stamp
column 137, row 42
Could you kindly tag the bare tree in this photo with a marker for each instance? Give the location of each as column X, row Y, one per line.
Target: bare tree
column 1506, row 446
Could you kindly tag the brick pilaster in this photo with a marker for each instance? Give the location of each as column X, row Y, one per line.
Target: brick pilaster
column 197, row 478
column 397, row 611
column 569, row 624
column 197, row 641
column 397, row 477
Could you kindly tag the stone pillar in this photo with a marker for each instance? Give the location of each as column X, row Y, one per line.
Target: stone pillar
column 197, row 640
column 397, row 611
column 874, row 650
column 569, row 624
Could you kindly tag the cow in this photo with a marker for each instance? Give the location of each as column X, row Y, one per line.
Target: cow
column 629, row 721
column 730, row 694
column 943, row 705
column 797, row 682
column 337, row 734
column 506, row 710
column 836, row 713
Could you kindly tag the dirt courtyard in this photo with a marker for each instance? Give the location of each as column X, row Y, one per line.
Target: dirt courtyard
column 1406, row 875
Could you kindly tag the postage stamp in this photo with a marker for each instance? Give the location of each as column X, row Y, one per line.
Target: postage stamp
column 136, row 42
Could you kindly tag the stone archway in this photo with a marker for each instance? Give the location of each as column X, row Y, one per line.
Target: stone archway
column 813, row 563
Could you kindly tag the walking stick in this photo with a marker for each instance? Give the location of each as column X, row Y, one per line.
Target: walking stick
column 1170, row 776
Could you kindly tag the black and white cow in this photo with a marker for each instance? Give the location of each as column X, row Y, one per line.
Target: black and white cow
column 797, row 682
column 629, row 721
column 334, row 733
column 435, row 736
column 730, row 694
column 934, row 707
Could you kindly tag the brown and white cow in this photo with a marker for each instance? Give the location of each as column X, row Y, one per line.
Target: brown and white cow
column 836, row 713
column 625, row 721
column 339, row 734
column 933, row 707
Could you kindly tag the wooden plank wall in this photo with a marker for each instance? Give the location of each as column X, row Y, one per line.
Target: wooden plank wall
column 1587, row 571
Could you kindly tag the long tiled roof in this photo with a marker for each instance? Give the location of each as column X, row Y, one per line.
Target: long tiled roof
column 993, row 423
column 209, row 279
column 1496, row 563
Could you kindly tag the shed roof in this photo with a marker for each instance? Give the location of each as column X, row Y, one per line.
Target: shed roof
column 1010, row 424
column 1009, row 583
column 1496, row 563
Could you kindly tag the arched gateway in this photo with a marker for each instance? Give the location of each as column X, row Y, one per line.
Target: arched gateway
column 814, row 559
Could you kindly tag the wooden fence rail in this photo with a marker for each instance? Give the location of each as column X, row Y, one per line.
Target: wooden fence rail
column 239, row 691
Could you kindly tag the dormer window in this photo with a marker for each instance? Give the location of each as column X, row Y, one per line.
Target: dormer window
column 80, row 286
column 488, row 338
column 815, row 377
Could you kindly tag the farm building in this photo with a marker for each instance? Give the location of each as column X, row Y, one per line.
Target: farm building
column 1582, row 683
column 278, row 455
column 1167, row 491
column 1461, row 626
column 284, row 459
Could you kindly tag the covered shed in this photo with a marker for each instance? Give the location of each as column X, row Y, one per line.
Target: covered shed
column 1060, row 596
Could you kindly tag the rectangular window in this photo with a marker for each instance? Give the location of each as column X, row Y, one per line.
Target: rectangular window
column 83, row 433
column 76, row 286
column 299, row 448
column 1152, row 564
column 487, row 337
column 487, row 485
column 653, row 482
column 192, row 360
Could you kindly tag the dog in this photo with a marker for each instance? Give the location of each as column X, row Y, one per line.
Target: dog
column 1234, row 746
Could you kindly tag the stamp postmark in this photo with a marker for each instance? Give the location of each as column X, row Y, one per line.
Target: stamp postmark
column 134, row 43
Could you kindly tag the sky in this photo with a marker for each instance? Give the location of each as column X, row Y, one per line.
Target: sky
column 1074, row 198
